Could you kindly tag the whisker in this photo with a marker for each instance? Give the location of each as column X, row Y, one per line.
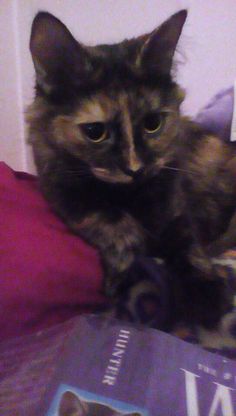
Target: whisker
column 177, row 169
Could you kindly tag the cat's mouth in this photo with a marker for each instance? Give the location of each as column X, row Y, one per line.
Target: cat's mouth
column 112, row 177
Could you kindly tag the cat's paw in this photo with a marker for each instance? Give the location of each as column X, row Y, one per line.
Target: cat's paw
column 143, row 303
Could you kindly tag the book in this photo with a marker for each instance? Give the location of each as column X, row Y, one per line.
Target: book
column 91, row 366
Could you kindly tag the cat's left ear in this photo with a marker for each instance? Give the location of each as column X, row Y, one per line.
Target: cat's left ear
column 159, row 47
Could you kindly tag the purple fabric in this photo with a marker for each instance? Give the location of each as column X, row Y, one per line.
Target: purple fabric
column 217, row 115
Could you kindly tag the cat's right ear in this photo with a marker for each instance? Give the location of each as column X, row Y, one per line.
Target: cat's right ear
column 57, row 56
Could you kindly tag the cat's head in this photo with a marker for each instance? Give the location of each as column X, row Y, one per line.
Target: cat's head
column 113, row 107
column 71, row 405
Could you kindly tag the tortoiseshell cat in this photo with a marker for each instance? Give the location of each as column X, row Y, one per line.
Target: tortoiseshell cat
column 124, row 169
column 72, row 405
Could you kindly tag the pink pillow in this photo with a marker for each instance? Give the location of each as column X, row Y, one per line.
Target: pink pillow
column 46, row 273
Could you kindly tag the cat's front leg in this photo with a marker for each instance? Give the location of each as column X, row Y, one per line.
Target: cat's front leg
column 199, row 294
column 118, row 241
column 208, row 294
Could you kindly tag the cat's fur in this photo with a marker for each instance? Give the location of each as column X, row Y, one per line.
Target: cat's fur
column 169, row 193
column 72, row 405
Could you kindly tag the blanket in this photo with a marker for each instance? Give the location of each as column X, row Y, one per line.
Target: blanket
column 46, row 274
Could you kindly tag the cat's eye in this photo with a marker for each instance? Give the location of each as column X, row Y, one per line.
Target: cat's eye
column 96, row 132
column 152, row 122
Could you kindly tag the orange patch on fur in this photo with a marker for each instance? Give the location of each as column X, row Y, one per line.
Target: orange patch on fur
column 99, row 108
column 66, row 131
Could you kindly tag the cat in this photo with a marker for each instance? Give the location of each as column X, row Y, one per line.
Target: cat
column 124, row 170
column 72, row 405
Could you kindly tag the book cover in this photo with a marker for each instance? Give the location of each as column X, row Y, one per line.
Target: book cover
column 91, row 366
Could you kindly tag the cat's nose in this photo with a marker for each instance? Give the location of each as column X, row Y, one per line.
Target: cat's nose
column 135, row 172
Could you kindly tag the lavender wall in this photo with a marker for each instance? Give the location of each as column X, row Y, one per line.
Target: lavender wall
column 12, row 147
column 208, row 49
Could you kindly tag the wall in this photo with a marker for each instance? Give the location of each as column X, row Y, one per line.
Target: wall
column 12, row 147
column 208, row 50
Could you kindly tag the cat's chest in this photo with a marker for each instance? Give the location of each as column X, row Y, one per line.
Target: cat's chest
column 150, row 205
column 152, row 201
column 149, row 202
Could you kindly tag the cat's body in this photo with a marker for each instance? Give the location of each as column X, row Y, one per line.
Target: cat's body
column 73, row 405
column 121, row 166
